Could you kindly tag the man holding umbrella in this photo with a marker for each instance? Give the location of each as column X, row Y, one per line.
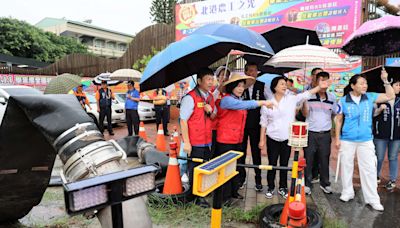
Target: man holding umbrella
column 131, row 108
column 104, row 97
column 197, row 111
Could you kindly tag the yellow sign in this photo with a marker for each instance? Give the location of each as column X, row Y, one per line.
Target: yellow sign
column 200, row 104
column 210, row 175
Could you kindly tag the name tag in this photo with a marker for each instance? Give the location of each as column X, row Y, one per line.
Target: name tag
column 200, row 104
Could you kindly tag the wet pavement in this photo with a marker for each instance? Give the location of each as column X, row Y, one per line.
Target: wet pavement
column 354, row 213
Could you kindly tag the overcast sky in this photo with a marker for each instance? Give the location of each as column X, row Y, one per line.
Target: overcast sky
column 128, row 16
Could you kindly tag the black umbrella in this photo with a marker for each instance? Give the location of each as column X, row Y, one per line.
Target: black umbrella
column 374, row 80
column 286, row 36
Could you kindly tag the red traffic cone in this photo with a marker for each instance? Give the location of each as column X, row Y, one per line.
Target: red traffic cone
column 142, row 131
column 160, row 141
column 173, row 184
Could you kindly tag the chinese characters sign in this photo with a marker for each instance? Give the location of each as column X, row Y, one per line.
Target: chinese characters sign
column 334, row 20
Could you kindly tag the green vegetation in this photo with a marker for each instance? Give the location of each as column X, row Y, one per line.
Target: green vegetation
column 162, row 11
column 141, row 63
column 21, row 39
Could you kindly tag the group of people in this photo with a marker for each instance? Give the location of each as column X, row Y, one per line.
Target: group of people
column 239, row 109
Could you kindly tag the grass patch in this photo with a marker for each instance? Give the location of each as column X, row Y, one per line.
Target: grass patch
column 236, row 214
column 334, row 223
column 166, row 212
column 52, row 195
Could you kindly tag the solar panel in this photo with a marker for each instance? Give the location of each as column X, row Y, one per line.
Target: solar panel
column 214, row 173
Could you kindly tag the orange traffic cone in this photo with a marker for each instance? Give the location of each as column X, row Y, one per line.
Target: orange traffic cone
column 173, row 184
column 142, row 131
column 160, row 141
column 176, row 137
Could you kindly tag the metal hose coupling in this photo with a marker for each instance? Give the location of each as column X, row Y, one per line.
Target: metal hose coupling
column 83, row 149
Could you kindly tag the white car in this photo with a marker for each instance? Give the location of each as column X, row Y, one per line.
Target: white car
column 7, row 91
column 117, row 111
column 145, row 109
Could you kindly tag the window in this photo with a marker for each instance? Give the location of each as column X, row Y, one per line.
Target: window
column 111, row 45
column 122, row 47
column 100, row 43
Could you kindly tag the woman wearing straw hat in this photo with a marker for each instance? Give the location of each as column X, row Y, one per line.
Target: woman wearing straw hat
column 222, row 74
column 232, row 114
column 275, row 127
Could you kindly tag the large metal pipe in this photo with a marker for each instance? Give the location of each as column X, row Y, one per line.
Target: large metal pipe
column 82, row 148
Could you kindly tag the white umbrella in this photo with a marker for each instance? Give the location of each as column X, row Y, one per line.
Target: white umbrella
column 105, row 77
column 303, row 56
column 126, row 75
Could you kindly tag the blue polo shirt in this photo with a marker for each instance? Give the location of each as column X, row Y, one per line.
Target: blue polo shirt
column 130, row 104
column 357, row 126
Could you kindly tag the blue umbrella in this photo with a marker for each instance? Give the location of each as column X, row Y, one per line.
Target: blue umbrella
column 267, row 78
column 185, row 57
column 245, row 36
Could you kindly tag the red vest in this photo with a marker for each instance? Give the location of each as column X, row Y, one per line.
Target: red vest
column 199, row 123
column 214, row 121
column 231, row 124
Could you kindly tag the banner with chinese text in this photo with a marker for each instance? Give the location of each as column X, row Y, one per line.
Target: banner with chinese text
column 334, row 20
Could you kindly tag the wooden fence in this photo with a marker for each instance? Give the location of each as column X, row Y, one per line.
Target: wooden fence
column 157, row 36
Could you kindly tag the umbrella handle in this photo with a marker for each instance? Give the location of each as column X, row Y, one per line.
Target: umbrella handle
column 337, row 167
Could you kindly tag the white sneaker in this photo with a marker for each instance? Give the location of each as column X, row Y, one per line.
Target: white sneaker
column 307, row 190
column 346, row 198
column 185, row 178
column 377, row 206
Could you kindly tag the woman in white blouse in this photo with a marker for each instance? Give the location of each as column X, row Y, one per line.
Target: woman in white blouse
column 275, row 125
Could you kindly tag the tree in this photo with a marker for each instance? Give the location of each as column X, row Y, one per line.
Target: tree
column 141, row 63
column 162, row 11
column 21, row 39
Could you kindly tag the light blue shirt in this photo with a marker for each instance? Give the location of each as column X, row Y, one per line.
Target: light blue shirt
column 357, row 126
column 234, row 103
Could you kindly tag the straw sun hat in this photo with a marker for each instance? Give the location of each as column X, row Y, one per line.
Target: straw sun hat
column 237, row 77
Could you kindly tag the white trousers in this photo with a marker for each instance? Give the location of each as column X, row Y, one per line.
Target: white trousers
column 367, row 163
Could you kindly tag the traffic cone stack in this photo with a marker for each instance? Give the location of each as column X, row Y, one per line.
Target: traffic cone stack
column 142, row 131
column 160, row 141
column 173, row 184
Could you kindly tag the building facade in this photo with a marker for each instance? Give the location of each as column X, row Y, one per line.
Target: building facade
column 100, row 41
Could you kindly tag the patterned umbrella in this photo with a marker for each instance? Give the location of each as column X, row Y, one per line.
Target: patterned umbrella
column 62, row 84
column 126, row 75
column 303, row 56
column 376, row 37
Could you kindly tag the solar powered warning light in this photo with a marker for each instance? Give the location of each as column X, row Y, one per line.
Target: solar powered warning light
column 210, row 176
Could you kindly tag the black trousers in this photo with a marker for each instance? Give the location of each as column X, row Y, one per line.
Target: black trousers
column 197, row 152
column 162, row 117
column 105, row 112
column 231, row 187
column 277, row 150
column 254, row 135
column 214, row 143
column 132, row 118
column 318, row 144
